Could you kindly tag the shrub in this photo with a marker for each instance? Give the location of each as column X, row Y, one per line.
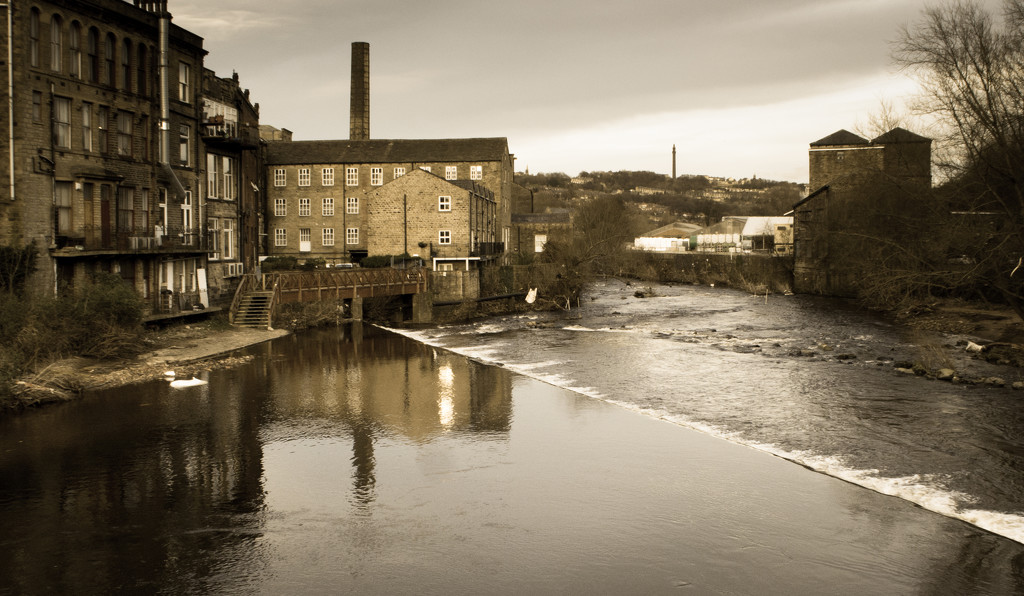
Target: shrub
column 278, row 264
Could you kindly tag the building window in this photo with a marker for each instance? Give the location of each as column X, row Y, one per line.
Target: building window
column 352, row 205
column 86, row 126
column 352, row 236
column 184, row 82
column 227, row 246
column 351, row 176
column 62, row 200
column 230, row 192
column 327, row 209
column 280, row 237
column 62, row 122
column 56, row 44
column 92, row 59
column 124, row 134
column 33, row 37
column 376, row 176
column 125, row 209
column 327, row 177
column 444, row 237
column 476, row 172
column 126, row 65
column 213, row 229
column 304, row 210
column 303, row 176
column 539, row 240
column 304, row 240
column 141, row 76
column 399, row 172
column 186, row 218
column 451, row 172
column 444, row 203
column 37, row 106
column 280, row 207
column 183, row 144
column 280, row 177
column 213, row 179
column 425, row 168
column 76, row 50
column 109, row 48
column 103, row 122
column 327, row 237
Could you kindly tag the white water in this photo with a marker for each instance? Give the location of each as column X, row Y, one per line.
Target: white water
column 722, row 363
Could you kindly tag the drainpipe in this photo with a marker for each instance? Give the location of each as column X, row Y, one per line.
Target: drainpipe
column 165, row 105
column 10, row 90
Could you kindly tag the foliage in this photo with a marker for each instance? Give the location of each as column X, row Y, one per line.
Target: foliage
column 971, row 68
column 16, row 264
column 400, row 261
column 279, row 264
column 312, row 264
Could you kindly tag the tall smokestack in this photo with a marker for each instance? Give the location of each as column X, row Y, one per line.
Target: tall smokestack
column 673, row 162
column 359, row 103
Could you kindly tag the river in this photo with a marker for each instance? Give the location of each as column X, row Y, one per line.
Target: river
column 635, row 445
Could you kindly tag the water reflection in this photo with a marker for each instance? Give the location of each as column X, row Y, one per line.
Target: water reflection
column 148, row 487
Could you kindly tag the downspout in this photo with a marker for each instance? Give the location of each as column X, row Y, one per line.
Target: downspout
column 10, row 91
column 165, row 102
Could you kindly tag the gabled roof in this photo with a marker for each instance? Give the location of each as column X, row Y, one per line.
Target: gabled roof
column 413, row 178
column 900, row 135
column 387, row 151
column 841, row 137
column 677, row 229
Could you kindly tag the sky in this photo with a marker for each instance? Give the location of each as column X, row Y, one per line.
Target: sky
column 740, row 87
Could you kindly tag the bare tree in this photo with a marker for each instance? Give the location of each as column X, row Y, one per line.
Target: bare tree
column 970, row 64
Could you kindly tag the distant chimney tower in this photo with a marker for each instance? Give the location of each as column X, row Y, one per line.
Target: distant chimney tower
column 359, row 103
column 673, row 162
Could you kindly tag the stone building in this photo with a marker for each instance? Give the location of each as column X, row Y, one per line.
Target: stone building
column 234, row 176
column 450, row 223
column 861, row 192
column 103, row 164
column 319, row 193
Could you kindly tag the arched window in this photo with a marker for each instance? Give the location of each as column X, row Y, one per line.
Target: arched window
column 126, row 65
column 141, row 79
column 56, row 44
column 92, row 59
column 76, row 50
column 109, row 50
column 33, row 37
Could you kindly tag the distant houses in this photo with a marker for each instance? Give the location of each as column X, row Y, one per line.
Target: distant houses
column 734, row 234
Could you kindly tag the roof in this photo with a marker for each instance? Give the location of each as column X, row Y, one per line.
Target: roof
column 763, row 226
column 676, row 229
column 900, row 135
column 841, row 137
column 412, row 179
column 387, row 151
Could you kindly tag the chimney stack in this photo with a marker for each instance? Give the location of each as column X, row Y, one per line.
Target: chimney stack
column 359, row 103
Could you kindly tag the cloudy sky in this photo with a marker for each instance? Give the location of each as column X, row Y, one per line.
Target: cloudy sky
column 741, row 87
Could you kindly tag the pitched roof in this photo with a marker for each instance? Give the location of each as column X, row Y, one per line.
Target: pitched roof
column 386, row 151
column 676, row 229
column 900, row 135
column 841, row 137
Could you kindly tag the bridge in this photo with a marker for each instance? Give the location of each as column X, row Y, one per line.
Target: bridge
column 258, row 297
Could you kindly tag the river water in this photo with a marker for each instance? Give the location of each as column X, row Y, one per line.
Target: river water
column 542, row 453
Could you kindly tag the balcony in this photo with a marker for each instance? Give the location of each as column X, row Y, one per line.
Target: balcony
column 228, row 134
column 96, row 240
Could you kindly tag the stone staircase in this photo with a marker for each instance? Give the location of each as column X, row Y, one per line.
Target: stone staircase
column 254, row 310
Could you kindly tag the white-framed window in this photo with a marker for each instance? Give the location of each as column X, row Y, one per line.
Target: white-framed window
column 327, row 177
column 124, row 133
column 444, row 236
column 186, row 218
column 352, row 205
column 213, row 179
column 56, row 43
column 451, row 172
column 539, row 240
column 444, row 203
column 399, row 172
column 351, row 176
column 376, row 176
column 280, row 177
column 280, row 207
column 62, row 191
column 227, row 231
column 327, row 237
column 352, row 236
column 476, row 172
column 304, row 208
column 62, row 121
column 184, row 136
column 280, row 237
column 184, row 82
column 304, row 242
column 230, row 191
column 446, row 266
column 327, row 208
column 425, row 168
column 304, row 176
column 86, row 126
column 213, row 229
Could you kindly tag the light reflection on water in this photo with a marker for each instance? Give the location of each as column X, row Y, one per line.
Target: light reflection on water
column 360, row 461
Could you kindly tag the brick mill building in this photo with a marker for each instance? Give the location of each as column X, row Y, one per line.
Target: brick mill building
column 105, row 165
column 862, row 194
